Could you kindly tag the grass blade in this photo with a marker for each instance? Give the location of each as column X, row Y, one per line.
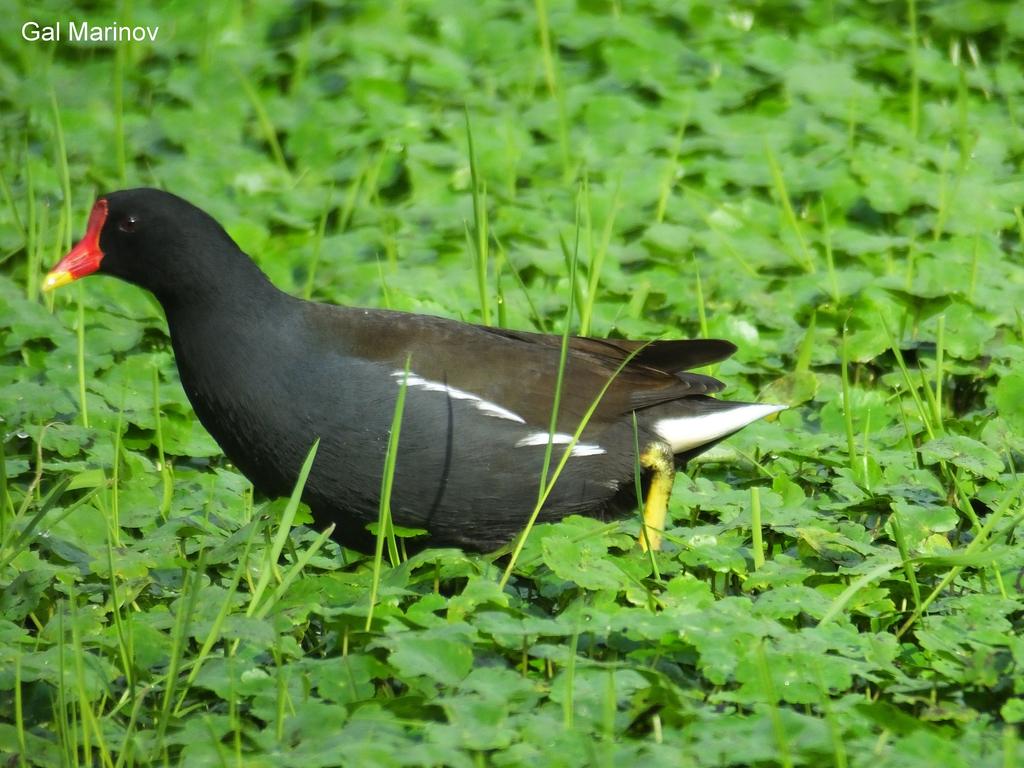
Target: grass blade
column 284, row 527
column 385, row 529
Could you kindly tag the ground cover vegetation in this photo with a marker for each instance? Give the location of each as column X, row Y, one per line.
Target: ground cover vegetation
column 834, row 186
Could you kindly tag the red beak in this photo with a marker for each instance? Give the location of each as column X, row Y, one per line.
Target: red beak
column 85, row 257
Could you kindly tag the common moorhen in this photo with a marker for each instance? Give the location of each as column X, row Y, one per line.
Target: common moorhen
column 268, row 373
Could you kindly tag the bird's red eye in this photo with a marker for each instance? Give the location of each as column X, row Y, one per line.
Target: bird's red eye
column 127, row 223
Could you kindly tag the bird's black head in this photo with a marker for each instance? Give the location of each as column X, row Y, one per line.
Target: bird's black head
column 153, row 239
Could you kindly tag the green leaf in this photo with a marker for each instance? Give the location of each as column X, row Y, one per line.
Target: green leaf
column 583, row 562
column 441, row 657
column 964, row 452
column 1009, row 399
column 792, row 389
column 350, row 678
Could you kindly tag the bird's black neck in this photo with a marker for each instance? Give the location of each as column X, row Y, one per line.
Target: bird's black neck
column 234, row 342
column 230, row 284
column 232, row 317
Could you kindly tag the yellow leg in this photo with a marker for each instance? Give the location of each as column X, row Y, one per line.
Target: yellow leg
column 657, row 458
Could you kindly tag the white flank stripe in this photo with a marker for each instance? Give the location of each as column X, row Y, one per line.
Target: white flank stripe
column 560, row 438
column 586, row 449
column 484, row 406
column 686, row 432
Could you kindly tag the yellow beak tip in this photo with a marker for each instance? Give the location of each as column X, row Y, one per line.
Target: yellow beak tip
column 56, row 280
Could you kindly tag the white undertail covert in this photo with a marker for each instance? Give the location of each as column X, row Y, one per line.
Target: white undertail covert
column 685, row 433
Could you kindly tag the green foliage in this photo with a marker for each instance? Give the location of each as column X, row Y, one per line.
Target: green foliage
column 836, row 187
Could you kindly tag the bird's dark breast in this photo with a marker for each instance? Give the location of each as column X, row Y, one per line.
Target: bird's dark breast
column 459, row 473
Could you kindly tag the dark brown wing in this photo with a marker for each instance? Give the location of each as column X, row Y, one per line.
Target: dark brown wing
column 668, row 355
column 517, row 370
column 655, row 371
